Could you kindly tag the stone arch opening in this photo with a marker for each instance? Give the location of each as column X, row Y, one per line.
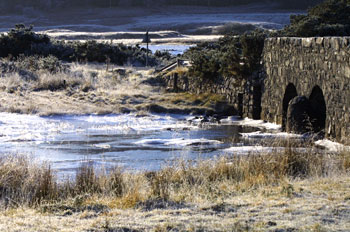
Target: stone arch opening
column 318, row 113
column 289, row 94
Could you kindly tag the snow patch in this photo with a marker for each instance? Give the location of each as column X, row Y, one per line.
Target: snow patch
column 262, row 135
column 253, row 149
column 251, row 123
column 332, row 146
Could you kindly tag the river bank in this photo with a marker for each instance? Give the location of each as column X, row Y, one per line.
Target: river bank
column 272, row 192
column 90, row 89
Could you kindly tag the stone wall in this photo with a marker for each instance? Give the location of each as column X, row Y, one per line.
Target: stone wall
column 306, row 64
column 317, row 68
column 238, row 94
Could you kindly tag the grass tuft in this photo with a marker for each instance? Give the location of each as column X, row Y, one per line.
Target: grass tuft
column 25, row 183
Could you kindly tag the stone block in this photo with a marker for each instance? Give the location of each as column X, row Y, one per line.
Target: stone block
column 319, row 41
column 307, row 42
column 326, row 43
column 335, row 44
column 301, row 65
column 347, row 71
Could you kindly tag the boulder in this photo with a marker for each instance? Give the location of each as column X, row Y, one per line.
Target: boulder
column 298, row 115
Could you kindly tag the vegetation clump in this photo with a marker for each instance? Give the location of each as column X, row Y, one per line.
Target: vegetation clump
column 329, row 18
column 232, row 56
column 23, row 41
column 239, row 56
column 25, row 183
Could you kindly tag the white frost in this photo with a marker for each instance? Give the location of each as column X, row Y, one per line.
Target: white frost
column 332, row 146
column 262, row 135
column 252, row 150
column 251, row 123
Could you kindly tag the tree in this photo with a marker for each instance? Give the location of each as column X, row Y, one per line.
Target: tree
column 330, row 18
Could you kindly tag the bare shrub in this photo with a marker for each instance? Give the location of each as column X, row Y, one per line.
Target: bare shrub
column 25, row 183
column 55, row 82
column 115, row 183
column 160, row 183
column 86, row 180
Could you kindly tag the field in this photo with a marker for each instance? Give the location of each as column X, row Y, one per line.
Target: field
column 92, row 89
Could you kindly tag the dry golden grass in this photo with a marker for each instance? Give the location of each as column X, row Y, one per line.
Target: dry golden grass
column 204, row 99
column 289, row 190
column 90, row 89
column 30, row 184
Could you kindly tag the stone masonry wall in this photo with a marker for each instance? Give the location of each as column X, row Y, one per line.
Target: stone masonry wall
column 306, row 63
column 238, row 95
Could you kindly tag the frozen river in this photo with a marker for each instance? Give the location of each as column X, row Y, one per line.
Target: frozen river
column 136, row 143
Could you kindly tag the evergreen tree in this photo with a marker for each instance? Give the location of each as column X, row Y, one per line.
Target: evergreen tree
column 330, row 18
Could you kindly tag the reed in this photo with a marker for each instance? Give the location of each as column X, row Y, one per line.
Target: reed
column 32, row 184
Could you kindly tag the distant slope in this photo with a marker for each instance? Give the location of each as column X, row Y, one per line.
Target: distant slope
column 16, row 6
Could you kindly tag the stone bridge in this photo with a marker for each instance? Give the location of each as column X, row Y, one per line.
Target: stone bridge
column 317, row 68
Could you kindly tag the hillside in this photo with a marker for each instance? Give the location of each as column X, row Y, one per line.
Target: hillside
column 18, row 5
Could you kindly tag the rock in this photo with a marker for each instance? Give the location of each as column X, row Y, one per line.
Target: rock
column 154, row 108
column 159, row 203
column 224, row 109
column 271, row 223
column 298, row 119
column 221, row 208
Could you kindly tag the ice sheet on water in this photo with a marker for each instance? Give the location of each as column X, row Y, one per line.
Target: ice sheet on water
column 263, row 135
column 251, row 123
column 173, row 49
column 245, row 150
column 130, row 139
column 21, row 128
column 177, row 142
column 132, row 124
column 17, row 128
column 103, row 146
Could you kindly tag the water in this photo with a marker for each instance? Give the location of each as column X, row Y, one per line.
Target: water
column 173, row 49
column 136, row 143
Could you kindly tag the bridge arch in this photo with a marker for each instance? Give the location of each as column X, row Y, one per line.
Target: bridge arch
column 318, row 113
column 317, row 73
column 289, row 94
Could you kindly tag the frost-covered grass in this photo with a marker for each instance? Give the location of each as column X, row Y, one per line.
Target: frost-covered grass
column 73, row 89
column 90, row 88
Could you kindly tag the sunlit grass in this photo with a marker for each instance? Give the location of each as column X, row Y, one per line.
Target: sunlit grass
column 184, row 195
column 25, row 183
